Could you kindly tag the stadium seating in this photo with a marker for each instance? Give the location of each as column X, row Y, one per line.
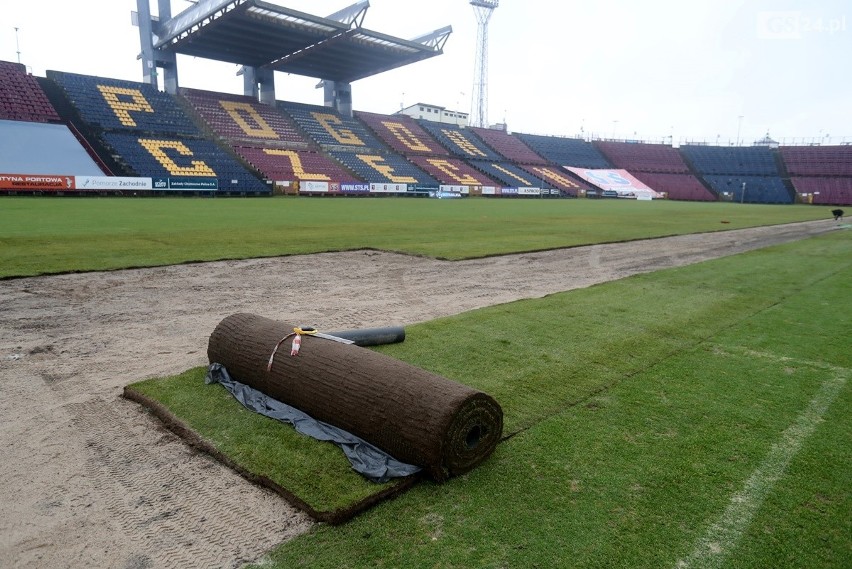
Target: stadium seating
column 384, row 167
column 731, row 160
column 242, row 120
column 559, row 178
column 726, row 168
column 659, row 166
column 21, row 97
column 283, row 164
column 565, row 151
column 113, row 104
column 351, row 143
column 676, row 186
column 330, row 129
column 194, row 158
column 758, row 189
column 264, row 137
column 452, row 171
column 509, row 174
column 822, row 173
column 817, row 160
column 643, row 157
column 402, row 133
column 151, row 133
column 460, row 142
column 825, row 190
column 509, row 146
column 419, row 142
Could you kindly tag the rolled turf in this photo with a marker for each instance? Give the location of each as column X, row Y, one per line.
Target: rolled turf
column 414, row 415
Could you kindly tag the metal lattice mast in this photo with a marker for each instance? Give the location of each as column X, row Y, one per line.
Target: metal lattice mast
column 479, row 105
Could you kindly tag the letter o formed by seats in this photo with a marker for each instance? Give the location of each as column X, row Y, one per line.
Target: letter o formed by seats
column 416, row 416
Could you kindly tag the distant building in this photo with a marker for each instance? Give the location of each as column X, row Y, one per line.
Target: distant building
column 766, row 141
column 435, row 114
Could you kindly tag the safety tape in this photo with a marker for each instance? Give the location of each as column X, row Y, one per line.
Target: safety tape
column 297, row 334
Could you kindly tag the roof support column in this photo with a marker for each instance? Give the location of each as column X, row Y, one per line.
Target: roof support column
column 338, row 95
column 259, row 84
column 149, row 68
column 154, row 58
column 167, row 60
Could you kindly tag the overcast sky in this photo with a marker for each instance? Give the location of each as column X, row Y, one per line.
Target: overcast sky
column 625, row 68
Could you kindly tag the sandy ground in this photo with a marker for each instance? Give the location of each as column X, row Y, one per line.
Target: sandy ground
column 91, row 480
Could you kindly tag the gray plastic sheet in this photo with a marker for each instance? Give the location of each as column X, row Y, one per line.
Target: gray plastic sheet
column 370, row 461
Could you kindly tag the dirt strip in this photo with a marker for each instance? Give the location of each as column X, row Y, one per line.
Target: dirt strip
column 91, row 480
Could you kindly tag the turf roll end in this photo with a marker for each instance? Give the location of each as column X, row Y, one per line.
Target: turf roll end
column 476, row 428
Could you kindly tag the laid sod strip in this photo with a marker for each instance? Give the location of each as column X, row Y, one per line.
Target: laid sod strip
column 815, row 497
column 722, row 538
column 315, row 477
column 806, row 521
column 628, row 479
column 40, row 236
column 638, row 474
column 537, row 356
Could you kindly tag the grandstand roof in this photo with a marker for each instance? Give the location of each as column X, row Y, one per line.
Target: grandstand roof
column 263, row 35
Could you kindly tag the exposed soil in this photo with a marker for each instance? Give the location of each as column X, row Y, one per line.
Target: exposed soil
column 92, row 480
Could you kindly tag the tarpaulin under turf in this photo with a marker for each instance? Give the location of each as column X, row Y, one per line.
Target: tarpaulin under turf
column 365, row 458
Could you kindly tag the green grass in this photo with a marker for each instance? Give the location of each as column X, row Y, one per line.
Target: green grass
column 628, row 479
column 43, row 236
column 574, row 343
column 638, row 408
column 633, row 472
column 318, row 474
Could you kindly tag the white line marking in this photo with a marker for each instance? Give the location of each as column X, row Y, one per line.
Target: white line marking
column 773, row 357
column 722, row 537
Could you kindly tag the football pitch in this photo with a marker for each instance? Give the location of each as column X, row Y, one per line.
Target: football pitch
column 46, row 236
column 691, row 417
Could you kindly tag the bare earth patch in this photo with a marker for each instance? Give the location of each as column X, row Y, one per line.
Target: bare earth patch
column 91, row 480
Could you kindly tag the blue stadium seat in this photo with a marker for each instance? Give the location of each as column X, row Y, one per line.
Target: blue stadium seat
column 151, row 133
column 460, row 142
column 384, row 167
column 511, row 175
column 565, row 151
column 112, row 104
column 731, row 160
column 156, row 156
column 758, row 189
column 330, row 129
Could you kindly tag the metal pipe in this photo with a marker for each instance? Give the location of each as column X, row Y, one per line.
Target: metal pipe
column 373, row 336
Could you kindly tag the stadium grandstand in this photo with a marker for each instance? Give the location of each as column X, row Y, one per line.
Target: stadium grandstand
column 566, row 151
column 267, row 140
column 151, row 135
column 659, row 166
column 743, row 174
column 510, row 147
column 34, row 140
column 820, row 174
column 21, row 97
column 73, row 134
column 403, row 134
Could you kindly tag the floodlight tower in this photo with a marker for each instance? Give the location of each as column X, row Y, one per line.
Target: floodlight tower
column 17, row 45
column 479, row 106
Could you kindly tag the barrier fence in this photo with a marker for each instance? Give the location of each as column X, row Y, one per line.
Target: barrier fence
column 122, row 185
